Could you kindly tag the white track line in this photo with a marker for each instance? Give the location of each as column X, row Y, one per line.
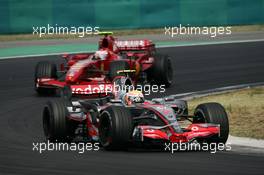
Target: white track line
column 245, row 141
column 212, row 43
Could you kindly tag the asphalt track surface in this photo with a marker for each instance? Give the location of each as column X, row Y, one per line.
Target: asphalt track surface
column 196, row 68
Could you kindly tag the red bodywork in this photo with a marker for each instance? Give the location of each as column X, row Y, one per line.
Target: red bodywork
column 193, row 131
column 136, row 52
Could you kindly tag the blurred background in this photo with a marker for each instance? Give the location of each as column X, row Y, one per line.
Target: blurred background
column 18, row 16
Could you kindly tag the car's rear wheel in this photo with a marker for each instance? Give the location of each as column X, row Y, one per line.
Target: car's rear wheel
column 45, row 69
column 115, row 127
column 216, row 114
column 162, row 71
column 116, row 66
column 55, row 123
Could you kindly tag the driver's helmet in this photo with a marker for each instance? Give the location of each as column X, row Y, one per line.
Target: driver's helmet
column 133, row 97
column 108, row 42
column 101, row 54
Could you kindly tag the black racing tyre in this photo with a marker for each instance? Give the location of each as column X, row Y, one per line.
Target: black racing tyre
column 162, row 71
column 116, row 66
column 55, row 123
column 115, row 128
column 182, row 104
column 213, row 113
column 45, row 69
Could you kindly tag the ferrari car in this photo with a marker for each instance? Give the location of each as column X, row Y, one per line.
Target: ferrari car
column 130, row 119
column 86, row 72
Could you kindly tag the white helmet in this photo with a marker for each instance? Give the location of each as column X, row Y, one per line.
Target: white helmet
column 101, row 54
column 133, row 97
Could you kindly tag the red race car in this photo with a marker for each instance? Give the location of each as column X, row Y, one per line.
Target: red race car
column 129, row 119
column 92, row 73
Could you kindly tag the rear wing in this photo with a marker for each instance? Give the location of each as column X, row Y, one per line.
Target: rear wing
column 135, row 45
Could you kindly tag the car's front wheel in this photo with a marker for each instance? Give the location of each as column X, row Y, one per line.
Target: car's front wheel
column 115, row 127
column 56, row 126
column 216, row 114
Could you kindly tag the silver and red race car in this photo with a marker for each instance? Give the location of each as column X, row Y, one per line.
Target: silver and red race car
column 129, row 119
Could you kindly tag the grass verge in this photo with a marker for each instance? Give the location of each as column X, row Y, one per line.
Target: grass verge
column 245, row 109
